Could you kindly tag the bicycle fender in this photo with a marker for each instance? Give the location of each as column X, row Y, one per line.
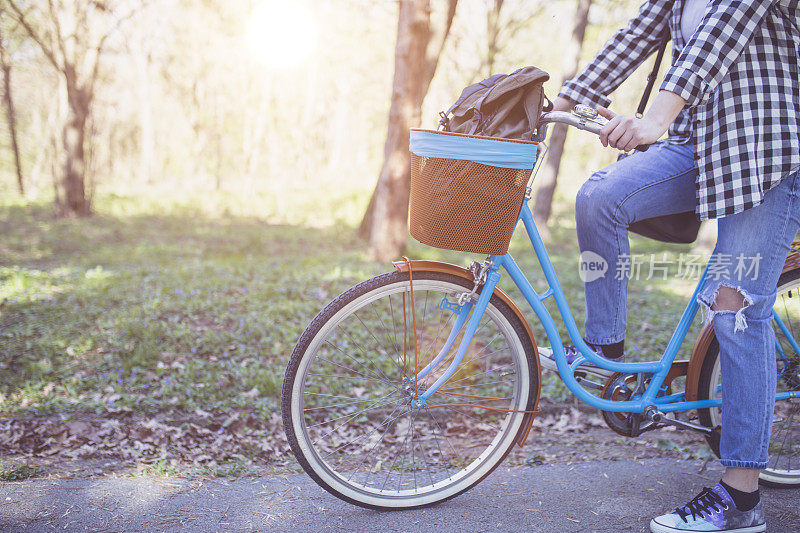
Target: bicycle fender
column 699, row 351
column 448, row 268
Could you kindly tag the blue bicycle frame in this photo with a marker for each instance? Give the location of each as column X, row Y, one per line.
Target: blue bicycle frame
column 659, row 369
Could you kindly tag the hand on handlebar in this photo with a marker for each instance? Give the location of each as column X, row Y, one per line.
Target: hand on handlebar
column 625, row 133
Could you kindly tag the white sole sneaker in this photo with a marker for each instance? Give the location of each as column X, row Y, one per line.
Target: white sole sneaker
column 584, row 370
column 655, row 527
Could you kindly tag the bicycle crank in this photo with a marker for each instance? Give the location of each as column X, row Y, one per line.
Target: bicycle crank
column 622, row 387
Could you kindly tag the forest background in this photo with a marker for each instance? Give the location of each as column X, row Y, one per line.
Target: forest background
column 226, row 153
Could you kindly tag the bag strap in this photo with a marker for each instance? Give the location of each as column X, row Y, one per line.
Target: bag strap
column 651, row 78
column 489, row 83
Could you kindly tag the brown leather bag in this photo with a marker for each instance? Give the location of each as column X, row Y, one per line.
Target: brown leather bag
column 504, row 105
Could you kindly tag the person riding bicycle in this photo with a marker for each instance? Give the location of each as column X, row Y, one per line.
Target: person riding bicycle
column 731, row 103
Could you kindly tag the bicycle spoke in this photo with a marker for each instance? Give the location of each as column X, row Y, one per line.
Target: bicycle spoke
column 377, row 342
column 360, row 432
column 350, row 369
column 393, row 344
column 365, row 352
column 349, row 377
column 424, row 317
column 441, row 453
column 413, row 458
column 473, row 376
column 479, row 357
column 408, row 434
column 788, row 318
column 442, row 325
column 458, row 410
column 462, row 387
column 380, row 439
column 334, row 405
column 369, row 360
column 394, row 327
column 346, row 444
column 788, row 426
column 352, row 415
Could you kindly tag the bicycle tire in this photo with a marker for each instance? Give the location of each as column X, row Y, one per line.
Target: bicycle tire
column 787, row 418
column 330, row 473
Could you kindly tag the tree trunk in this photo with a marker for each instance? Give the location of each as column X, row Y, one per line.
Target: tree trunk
column 11, row 115
column 546, row 182
column 493, row 28
column 416, row 55
column 74, row 200
column 147, row 146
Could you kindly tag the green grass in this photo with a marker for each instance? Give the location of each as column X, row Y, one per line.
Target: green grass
column 159, row 305
column 161, row 468
column 18, row 473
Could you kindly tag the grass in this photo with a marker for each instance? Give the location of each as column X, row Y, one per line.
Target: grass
column 686, row 452
column 18, row 473
column 156, row 305
column 161, row 468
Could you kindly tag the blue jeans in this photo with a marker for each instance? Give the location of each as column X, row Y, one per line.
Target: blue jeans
column 749, row 256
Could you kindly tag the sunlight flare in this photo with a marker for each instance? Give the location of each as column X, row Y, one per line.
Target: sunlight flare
column 282, row 34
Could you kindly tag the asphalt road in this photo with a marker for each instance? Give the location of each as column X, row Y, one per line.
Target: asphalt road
column 592, row 496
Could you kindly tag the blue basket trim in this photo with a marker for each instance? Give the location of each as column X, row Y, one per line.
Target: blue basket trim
column 491, row 152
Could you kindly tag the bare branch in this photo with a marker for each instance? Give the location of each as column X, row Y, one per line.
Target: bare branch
column 20, row 18
column 59, row 34
column 98, row 49
column 436, row 44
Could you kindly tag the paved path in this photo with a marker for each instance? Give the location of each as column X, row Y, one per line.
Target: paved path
column 593, row 496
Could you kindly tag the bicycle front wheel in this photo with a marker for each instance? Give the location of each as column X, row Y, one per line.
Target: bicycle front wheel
column 348, row 390
column 784, row 445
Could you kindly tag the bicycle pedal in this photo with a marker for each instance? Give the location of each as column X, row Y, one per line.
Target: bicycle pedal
column 583, row 380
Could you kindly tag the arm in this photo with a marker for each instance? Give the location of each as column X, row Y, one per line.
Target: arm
column 620, row 56
column 724, row 32
column 705, row 60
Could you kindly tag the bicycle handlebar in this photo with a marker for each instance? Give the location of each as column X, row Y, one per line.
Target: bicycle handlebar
column 581, row 122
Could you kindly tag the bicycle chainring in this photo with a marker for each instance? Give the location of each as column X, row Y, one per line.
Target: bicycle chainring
column 621, row 387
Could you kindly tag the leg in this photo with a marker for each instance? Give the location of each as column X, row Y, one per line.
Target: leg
column 740, row 303
column 738, row 297
column 743, row 479
column 660, row 181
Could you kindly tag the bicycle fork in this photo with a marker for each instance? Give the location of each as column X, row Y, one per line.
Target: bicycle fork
column 466, row 313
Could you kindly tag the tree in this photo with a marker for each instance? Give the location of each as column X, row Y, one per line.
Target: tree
column 8, row 100
column 419, row 45
column 502, row 27
column 72, row 36
column 493, row 29
column 548, row 180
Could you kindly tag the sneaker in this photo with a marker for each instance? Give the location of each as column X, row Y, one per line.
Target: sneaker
column 548, row 360
column 711, row 510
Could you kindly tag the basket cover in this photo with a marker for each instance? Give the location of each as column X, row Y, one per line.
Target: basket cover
column 467, row 190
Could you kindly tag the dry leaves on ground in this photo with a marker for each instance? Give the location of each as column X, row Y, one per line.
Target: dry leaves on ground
column 199, row 439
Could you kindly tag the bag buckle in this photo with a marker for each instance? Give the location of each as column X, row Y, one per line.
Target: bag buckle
column 444, row 121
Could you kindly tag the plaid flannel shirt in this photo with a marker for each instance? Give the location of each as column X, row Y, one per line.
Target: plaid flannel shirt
column 739, row 76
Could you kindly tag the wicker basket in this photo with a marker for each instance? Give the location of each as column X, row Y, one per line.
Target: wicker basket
column 458, row 204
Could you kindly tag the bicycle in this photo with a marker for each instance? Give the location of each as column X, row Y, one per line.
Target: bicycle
column 411, row 387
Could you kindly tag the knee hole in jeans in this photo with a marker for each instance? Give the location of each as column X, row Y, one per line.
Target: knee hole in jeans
column 726, row 298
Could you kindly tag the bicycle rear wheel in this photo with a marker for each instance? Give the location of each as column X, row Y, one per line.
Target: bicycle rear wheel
column 347, row 390
column 784, row 445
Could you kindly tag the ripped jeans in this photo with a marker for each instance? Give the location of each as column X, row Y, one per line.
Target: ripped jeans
column 749, row 256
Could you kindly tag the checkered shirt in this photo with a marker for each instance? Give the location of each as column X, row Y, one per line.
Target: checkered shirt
column 739, row 76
